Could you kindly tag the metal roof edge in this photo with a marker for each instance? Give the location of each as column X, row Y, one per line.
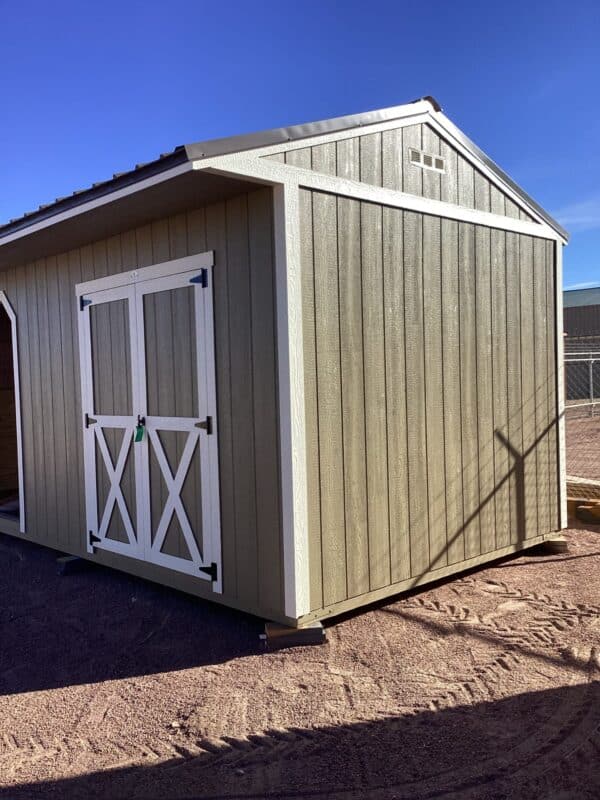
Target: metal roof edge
column 292, row 133
column 94, row 192
column 499, row 172
column 250, row 141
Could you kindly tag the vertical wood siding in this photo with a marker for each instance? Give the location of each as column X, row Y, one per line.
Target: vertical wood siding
column 429, row 379
column 43, row 296
column 382, row 159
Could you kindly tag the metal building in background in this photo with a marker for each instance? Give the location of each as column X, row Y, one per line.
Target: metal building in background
column 582, row 390
column 293, row 372
column 582, row 344
column 582, row 318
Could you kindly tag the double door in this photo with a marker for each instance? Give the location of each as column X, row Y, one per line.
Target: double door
column 149, row 416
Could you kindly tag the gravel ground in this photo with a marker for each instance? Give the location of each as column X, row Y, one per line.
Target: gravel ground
column 486, row 686
column 583, row 445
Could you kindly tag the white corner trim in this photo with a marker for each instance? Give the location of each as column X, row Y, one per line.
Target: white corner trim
column 271, row 172
column 105, row 199
column 17, row 390
column 560, row 389
column 290, row 362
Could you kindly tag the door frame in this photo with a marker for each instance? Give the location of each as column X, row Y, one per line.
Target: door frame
column 123, row 285
column 5, row 302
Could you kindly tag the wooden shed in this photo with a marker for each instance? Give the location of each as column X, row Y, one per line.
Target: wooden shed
column 293, row 372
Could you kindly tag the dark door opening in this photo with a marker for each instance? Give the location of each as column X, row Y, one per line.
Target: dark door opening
column 9, row 469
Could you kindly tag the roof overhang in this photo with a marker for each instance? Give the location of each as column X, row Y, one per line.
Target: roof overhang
column 173, row 183
column 164, row 194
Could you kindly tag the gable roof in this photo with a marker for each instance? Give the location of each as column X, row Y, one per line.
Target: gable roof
column 252, row 141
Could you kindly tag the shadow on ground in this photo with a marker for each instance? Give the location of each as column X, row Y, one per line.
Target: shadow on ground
column 523, row 746
column 101, row 624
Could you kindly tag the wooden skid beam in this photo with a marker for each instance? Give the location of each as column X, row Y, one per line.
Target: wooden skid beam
column 278, row 636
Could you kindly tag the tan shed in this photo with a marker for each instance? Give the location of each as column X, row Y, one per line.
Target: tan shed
column 292, row 372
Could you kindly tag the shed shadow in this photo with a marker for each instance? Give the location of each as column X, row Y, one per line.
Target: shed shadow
column 535, row 745
column 102, row 625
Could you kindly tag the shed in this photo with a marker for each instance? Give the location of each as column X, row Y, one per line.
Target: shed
column 293, row 372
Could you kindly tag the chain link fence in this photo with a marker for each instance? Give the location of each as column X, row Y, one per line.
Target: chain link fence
column 582, row 419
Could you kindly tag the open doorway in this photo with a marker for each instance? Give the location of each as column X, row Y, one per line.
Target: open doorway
column 11, row 495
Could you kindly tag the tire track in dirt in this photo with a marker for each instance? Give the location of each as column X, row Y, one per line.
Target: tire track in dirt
column 572, row 732
column 577, row 728
column 519, row 640
column 568, row 722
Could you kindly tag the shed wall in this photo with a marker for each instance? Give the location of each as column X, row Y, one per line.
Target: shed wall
column 240, row 231
column 431, row 408
column 382, row 159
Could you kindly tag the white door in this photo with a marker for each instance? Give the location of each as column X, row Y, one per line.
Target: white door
column 149, row 415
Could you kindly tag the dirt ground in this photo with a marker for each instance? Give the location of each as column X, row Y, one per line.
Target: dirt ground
column 583, row 445
column 486, row 686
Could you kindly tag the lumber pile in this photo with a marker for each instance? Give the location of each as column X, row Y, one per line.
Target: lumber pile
column 585, row 510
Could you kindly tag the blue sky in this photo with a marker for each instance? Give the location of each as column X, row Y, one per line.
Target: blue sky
column 91, row 89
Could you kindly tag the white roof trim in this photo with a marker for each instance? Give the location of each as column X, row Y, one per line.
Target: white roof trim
column 105, row 199
column 273, row 173
column 440, row 123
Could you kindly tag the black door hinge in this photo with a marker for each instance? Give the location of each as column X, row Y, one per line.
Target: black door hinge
column 89, row 421
column 207, row 425
column 93, row 539
column 83, row 302
column 201, row 279
column 211, row 571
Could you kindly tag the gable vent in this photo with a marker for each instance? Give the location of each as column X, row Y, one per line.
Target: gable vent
column 426, row 160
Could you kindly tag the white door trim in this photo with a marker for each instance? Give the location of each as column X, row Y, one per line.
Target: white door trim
column 133, row 285
column 90, row 436
column 139, row 275
column 17, row 391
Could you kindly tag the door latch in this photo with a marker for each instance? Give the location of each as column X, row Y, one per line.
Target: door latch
column 211, row 571
column 207, row 425
column 140, row 428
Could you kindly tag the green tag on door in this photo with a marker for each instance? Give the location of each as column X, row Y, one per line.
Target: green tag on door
column 139, row 433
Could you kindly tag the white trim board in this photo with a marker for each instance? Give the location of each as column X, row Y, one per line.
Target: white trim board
column 90, row 205
column 560, row 389
column 139, row 274
column 292, row 409
column 438, row 121
column 133, row 286
column 274, row 173
column 17, row 391
column 338, row 136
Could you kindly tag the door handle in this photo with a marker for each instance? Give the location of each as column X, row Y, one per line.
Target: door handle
column 140, row 428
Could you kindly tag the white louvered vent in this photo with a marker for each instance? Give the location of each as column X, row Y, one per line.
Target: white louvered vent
column 426, row 160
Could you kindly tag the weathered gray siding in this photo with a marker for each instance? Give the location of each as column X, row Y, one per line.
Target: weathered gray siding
column 43, row 296
column 381, row 159
column 430, row 393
